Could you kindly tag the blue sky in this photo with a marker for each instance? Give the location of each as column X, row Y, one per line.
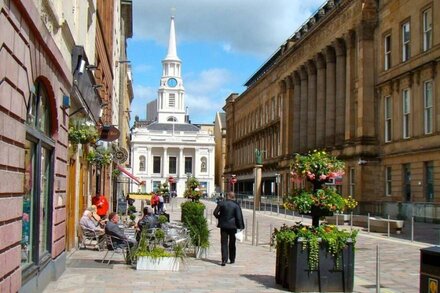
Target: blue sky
column 221, row 44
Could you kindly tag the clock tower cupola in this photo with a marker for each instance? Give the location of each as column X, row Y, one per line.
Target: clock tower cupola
column 171, row 93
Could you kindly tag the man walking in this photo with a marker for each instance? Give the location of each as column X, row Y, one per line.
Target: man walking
column 230, row 218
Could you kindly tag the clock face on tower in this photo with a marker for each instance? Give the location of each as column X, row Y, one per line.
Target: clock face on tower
column 172, row 82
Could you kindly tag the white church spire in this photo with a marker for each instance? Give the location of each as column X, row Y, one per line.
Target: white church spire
column 172, row 51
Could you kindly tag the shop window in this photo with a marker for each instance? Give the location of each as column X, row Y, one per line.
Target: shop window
column 37, row 198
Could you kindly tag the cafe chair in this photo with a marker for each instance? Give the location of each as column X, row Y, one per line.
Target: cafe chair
column 115, row 249
column 89, row 237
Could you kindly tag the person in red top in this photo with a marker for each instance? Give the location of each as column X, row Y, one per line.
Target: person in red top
column 101, row 204
column 154, row 202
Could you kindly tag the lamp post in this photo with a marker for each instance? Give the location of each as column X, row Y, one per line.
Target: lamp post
column 278, row 179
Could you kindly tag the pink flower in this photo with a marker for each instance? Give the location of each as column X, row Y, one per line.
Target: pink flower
column 323, row 177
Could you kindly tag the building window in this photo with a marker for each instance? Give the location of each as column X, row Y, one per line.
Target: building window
column 429, row 181
column 427, row 97
column 427, row 29
column 406, row 101
column 387, row 52
column 388, row 114
column 407, row 182
column 172, row 165
column 273, row 109
column 405, row 41
column 188, row 165
column 156, row 165
column 203, row 164
column 37, row 198
column 172, row 119
column 388, row 181
column 142, row 163
column 352, row 180
column 172, row 101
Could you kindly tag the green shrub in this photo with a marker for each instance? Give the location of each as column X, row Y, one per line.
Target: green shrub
column 193, row 218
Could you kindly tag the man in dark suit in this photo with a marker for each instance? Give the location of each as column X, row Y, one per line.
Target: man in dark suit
column 117, row 234
column 230, row 218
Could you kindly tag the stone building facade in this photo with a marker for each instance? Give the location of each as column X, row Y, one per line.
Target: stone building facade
column 325, row 88
column 34, row 77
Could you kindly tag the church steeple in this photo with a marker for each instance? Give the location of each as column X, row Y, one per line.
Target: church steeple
column 171, row 93
column 172, row 51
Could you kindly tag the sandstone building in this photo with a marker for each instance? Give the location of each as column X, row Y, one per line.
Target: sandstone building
column 359, row 80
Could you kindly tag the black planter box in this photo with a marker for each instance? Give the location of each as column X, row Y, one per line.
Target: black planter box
column 325, row 279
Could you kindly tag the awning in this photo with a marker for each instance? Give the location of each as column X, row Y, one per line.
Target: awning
column 129, row 175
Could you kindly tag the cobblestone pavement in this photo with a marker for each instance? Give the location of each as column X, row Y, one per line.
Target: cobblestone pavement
column 253, row 270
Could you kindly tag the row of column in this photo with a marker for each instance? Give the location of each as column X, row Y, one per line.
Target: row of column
column 319, row 99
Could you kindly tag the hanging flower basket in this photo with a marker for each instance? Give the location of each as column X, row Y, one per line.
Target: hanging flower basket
column 99, row 157
column 82, row 132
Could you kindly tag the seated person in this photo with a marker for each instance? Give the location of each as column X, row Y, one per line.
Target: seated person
column 119, row 239
column 87, row 223
column 148, row 221
column 95, row 217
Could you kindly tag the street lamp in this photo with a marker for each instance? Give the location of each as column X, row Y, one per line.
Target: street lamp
column 278, row 179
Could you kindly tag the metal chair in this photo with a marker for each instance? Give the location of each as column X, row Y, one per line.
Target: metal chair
column 111, row 246
column 89, row 237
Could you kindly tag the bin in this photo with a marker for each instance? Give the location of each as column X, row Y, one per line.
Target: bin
column 429, row 269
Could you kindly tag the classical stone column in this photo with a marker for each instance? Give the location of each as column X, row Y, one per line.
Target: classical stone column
column 350, row 117
column 320, row 101
column 311, row 105
column 181, row 164
column 165, row 162
column 148, row 162
column 284, row 126
column 340, row 91
column 303, row 109
column 330, row 88
column 289, row 110
column 296, row 112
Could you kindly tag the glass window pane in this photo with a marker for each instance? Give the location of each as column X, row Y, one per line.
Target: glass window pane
column 43, row 120
column 44, row 201
column 27, row 217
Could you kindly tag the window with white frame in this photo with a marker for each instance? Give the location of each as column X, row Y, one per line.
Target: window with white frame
column 352, row 181
column 427, row 29
column 406, row 103
column 405, row 41
column 427, row 97
column 388, row 185
column 387, row 52
column 388, row 116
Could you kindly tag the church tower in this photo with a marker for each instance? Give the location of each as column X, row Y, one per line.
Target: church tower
column 171, row 93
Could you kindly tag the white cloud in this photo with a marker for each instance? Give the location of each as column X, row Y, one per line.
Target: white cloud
column 258, row 27
column 142, row 95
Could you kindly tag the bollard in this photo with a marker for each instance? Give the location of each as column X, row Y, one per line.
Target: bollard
column 388, row 226
column 245, row 230
column 270, row 237
column 256, row 239
column 351, row 221
column 368, row 223
column 412, row 228
column 285, row 212
column 377, row 269
column 302, row 218
column 337, row 220
column 293, row 214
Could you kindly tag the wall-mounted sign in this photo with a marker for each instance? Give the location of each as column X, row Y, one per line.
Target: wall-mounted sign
column 108, row 133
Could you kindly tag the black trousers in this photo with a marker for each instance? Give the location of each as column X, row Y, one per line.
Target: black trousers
column 228, row 249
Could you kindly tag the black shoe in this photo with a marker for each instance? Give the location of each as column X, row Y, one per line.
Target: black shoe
column 232, row 261
column 223, row 263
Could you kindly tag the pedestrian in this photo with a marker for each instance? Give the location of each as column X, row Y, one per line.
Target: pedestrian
column 160, row 204
column 230, row 218
column 101, row 204
column 154, row 202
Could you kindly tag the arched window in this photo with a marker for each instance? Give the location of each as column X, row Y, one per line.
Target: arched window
column 172, row 119
column 142, row 163
column 38, row 176
column 203, row 164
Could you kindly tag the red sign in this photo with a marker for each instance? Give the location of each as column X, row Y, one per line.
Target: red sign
column 171, row 179
column 233, row 180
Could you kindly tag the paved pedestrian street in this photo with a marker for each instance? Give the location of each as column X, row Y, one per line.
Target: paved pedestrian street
column 253, row 271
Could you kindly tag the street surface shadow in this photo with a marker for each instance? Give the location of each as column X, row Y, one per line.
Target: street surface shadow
column 216, row 262
column 267, row 281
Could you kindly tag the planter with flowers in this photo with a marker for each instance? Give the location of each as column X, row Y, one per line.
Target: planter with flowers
column 317, row 258
column 82, row 132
